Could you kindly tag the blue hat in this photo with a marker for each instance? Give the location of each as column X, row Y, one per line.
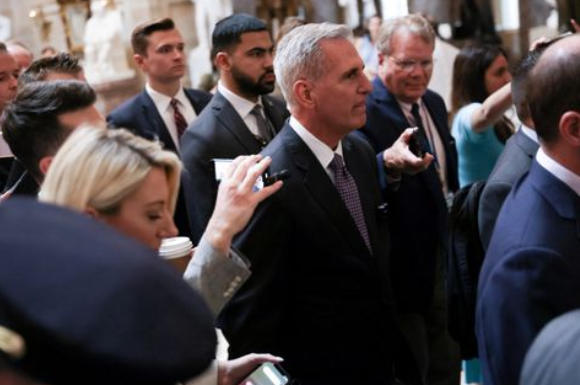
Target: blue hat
column 82, row 304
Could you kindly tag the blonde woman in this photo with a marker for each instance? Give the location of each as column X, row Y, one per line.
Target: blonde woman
column 131, row 184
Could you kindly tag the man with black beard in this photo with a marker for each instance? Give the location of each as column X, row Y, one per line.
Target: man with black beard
column 239, row 120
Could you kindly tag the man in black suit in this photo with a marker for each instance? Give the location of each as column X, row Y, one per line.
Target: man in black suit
column 418, row 209
column 39, row 120
column 517, row 156
column 158, row 49
column 58, row 67
column 165, row 108
column 242, row 52
column 319, row 293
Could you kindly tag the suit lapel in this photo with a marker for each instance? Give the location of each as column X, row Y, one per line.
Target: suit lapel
column 155, row 123
column 323, row 191
column 561, row 197
column 431, row 177
column 442, row 127
column 232, row 122
column 197, row 107
column 390, row 104
column 273, row 114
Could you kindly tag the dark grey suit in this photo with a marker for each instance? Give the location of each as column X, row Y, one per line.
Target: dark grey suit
column 139, row 115
column 218, row 132
column 514, row 162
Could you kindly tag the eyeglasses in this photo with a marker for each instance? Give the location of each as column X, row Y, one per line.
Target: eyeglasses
column 410, row 65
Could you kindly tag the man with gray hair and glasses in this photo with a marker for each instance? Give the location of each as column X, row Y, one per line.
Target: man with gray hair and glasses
column 418, row 215
column 319, row 293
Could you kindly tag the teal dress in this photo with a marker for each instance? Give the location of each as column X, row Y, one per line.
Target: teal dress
column 476, row 153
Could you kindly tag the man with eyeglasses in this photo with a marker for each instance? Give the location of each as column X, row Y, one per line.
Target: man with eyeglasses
column 418, row 209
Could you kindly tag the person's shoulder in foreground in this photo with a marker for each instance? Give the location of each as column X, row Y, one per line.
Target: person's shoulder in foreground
column 83, row 304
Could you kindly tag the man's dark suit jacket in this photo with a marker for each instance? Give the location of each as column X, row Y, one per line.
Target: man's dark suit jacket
column 316, row 296
column 5, row 168
column 20, row 181
column 219, row 132
column 514, row 162
column 417, row 210
column 531, row 272
column 140, row 115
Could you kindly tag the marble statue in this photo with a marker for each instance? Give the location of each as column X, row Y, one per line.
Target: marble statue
column 207, row 14
column 105, row 54
column 5, row 28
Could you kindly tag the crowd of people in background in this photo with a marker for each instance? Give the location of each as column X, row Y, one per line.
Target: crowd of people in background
column 317, row 181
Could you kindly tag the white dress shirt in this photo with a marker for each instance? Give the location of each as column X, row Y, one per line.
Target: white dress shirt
column 569, row 178
column 433, row 137
column 162, row 102
column 243, row 107
column 529, row 133
column 321, row 151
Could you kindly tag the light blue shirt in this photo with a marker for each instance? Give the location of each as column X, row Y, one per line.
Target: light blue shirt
column 476, row 152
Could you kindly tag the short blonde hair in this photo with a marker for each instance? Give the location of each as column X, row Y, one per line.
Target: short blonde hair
column 414, row 24
column 99, row 168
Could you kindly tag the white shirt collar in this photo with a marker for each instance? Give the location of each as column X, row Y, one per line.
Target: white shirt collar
column 529, row 133
column 162, row 102
column 569, row 178
column 321, row 151
column 242, row 106
column 406, row 107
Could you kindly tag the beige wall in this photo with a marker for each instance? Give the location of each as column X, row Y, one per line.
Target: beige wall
column 29, row 32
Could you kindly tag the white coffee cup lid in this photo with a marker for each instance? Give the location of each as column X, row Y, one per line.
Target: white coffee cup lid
column 175, row 247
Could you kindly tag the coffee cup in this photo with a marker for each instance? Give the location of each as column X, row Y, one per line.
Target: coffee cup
column 176, row 251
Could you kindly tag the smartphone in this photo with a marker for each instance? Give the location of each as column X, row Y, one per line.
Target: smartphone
column 221, row 167
column 267, row 374
column 271, row 179
column 416, row 144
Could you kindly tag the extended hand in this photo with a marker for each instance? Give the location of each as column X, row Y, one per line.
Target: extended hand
column 234, row 371
column 399, row 159
column 237, row 200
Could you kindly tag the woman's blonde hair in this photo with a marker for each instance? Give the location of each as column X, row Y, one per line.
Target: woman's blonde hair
column 99, row 168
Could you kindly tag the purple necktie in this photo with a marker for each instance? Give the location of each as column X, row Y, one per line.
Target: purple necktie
column 348, row 191
column 180, row 122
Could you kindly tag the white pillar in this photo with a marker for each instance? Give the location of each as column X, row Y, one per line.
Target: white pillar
column 394, row 8
column 507, row 15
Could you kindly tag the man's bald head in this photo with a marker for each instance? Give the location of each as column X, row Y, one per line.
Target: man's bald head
column 21, row 53
column 553, row 86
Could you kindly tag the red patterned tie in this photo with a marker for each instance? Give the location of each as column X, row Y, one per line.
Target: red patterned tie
column 348, row 190
column 180, row 122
